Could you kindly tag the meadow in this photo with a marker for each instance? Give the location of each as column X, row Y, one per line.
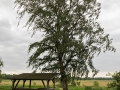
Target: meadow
column 7, row 84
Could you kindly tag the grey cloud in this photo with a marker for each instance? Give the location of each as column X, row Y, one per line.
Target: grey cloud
column 107, row 62
column 6, row 6
column 109, row 19
column 116, row 38
column 5, row 30
column 109, row 5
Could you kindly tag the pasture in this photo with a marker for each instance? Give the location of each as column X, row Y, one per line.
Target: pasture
column 6, row 84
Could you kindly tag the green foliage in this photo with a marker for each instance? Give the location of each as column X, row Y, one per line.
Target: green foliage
column 88, row 88
column 7, row 76
column 116, row 83
column 5, row 87
column 94, row 87
column 72, row 36
column 1, row 65
column 78, row 83
column 0, row 76
column 73, row 83
column 96, row 84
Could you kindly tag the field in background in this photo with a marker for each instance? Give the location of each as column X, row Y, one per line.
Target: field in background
column 6, row 84
column 102, row 83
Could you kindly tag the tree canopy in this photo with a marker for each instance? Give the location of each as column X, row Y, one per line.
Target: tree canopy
column 72, row 35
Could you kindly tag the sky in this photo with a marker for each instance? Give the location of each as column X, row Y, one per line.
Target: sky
column 14, row 39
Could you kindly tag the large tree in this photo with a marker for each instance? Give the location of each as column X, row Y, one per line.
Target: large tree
column 72, row 36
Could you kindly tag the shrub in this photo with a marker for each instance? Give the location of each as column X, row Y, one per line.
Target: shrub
column 116, row 83
column 94, row 87
column 88, row 88
column 96, row 84
column 78, row 83
column 73, row 83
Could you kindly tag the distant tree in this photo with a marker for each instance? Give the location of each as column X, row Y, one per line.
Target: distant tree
column 72, row 36
column 1, row 65
column 7, row 76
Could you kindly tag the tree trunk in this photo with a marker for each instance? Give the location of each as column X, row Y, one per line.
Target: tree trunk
column 64, row 80
column 63, row 74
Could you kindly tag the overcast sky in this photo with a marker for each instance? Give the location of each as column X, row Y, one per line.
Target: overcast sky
column 14, row 40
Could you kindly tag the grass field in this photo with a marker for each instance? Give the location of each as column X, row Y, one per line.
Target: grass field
column 6, row 84
column 102, row 83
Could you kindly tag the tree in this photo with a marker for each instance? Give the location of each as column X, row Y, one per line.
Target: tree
column 1, row 65
column 116, row 83
column 72, row 36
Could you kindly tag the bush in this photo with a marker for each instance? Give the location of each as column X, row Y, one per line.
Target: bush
column 78, row 83
column 116, row 83
column 73, row 83
column 94, row 87
column 96, row 84
column 88, row 88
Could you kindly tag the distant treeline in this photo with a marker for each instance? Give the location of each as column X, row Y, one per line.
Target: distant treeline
column 7, row 76
column 99, row 78
column 94, row 78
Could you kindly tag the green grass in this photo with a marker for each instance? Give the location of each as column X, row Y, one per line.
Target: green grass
column 5, row 87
